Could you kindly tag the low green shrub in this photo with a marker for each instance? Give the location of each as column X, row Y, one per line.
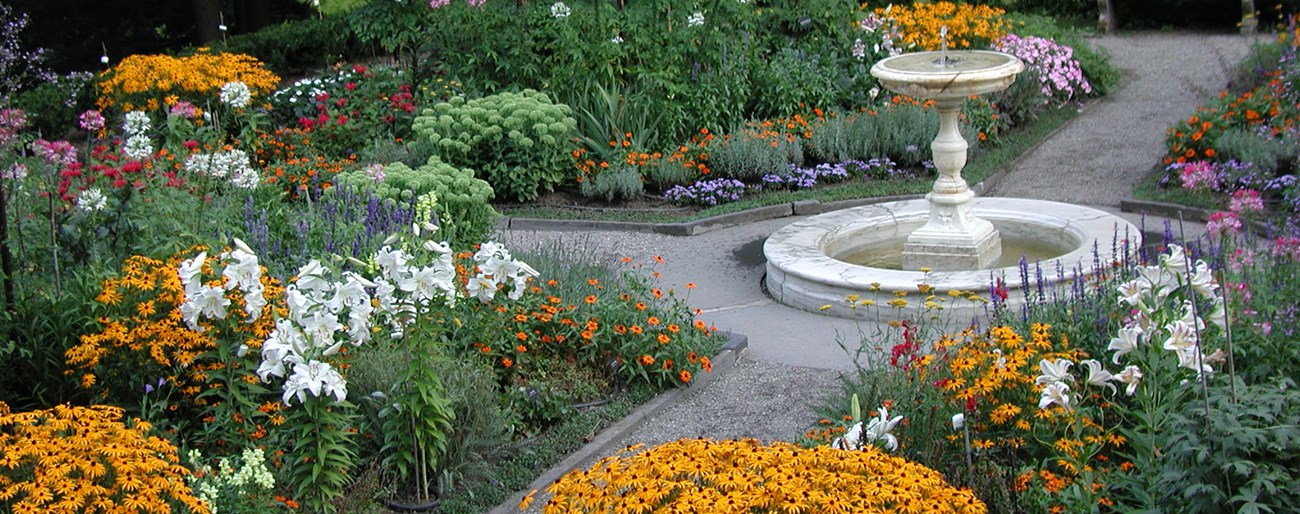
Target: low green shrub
column 617, row 183
column 517, row 142
column 1246, row 146
column 900, row 130
column 750, row 155
column 52, row 107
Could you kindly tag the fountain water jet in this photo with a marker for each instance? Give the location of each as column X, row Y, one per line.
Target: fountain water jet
column 951, row 235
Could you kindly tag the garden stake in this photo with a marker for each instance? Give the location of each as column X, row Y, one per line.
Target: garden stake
column 1196, row 327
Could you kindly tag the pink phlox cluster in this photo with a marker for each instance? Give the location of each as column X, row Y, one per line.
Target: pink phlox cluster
column 1059, row 73
column 1199, row 174
column 1223, row 223
column 438, row 4
column 183, row 109
column 1288, row 247
column 1246, row 200
column 58, row 153
column 91, row 121
column 12, row 121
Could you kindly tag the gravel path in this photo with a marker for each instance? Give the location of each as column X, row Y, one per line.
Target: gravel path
column 1095, row 161
column 1098, row 158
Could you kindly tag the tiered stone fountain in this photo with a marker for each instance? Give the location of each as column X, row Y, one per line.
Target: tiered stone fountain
column 949, row 241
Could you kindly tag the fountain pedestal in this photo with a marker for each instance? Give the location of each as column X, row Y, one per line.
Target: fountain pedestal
column 953, row 237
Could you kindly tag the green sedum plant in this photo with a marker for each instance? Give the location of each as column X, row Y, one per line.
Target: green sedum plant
column 459, row 200
column 517, row 142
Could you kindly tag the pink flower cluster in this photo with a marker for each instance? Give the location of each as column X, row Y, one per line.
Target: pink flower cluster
column 1198, row 174
column 1059, row 73
column 91, row 121
column 12, row 121
column 1244, row 201
column 438, row 4
column 58, row 153
column 1223, row 223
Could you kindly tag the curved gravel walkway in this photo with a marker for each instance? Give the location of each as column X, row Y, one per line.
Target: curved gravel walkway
column 1098, row 158
column 793, row 361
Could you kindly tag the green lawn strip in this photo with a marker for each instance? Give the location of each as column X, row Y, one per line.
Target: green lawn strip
column 532, row 457
column 1149, row 189
column 982, row 164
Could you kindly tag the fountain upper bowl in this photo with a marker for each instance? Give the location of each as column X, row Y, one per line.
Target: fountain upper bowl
column 966, row 73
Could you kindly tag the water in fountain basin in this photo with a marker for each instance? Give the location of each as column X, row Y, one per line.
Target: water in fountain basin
column 888, row 254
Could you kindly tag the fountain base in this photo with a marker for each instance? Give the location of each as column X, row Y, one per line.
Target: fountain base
column 953, row 238
column 806, row 265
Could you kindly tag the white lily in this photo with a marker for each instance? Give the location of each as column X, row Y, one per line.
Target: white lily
column 1097, row 375
column 1128, row 340
column 880, row 427
column 1131, row 376
column 1174, row 260
column 1055, row 392
column 1054, row 371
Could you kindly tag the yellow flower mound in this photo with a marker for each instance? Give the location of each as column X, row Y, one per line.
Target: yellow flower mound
column 744, row 476
column 968, row 25
column 84, row 459
column 155, row 82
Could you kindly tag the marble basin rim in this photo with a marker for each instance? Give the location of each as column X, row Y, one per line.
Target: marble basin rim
column 803, row 272
column 975, row 72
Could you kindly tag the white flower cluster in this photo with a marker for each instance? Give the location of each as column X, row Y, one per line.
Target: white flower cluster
column 877, row 430
column 325, row 313
column 209, row 485
column 136, row 130
column 1172, row 281
column 91, row 200
column 559, row 10
column 695, row 20
column 240, row 271
column 232, row 165
column 1156, row 286
column 236, row 94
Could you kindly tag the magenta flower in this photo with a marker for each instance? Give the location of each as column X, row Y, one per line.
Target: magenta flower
column 58, row 153
column 184, row 109
column 1200, row 174
column 1223, row 223
column 1246, row 200
column 12, row 121
column 91, row 121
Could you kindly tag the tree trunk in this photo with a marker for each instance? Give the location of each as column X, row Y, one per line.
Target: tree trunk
column 1106, row 16
column 207, row 17
column 1249, row 22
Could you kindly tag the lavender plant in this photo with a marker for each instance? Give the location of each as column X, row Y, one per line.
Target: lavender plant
column 707, row 192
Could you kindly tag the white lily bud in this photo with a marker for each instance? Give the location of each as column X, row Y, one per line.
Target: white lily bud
column 392, row 239
column 240, row 244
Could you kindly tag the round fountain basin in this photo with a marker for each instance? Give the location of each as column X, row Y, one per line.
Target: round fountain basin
column 807, row 268
column 966, row 73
